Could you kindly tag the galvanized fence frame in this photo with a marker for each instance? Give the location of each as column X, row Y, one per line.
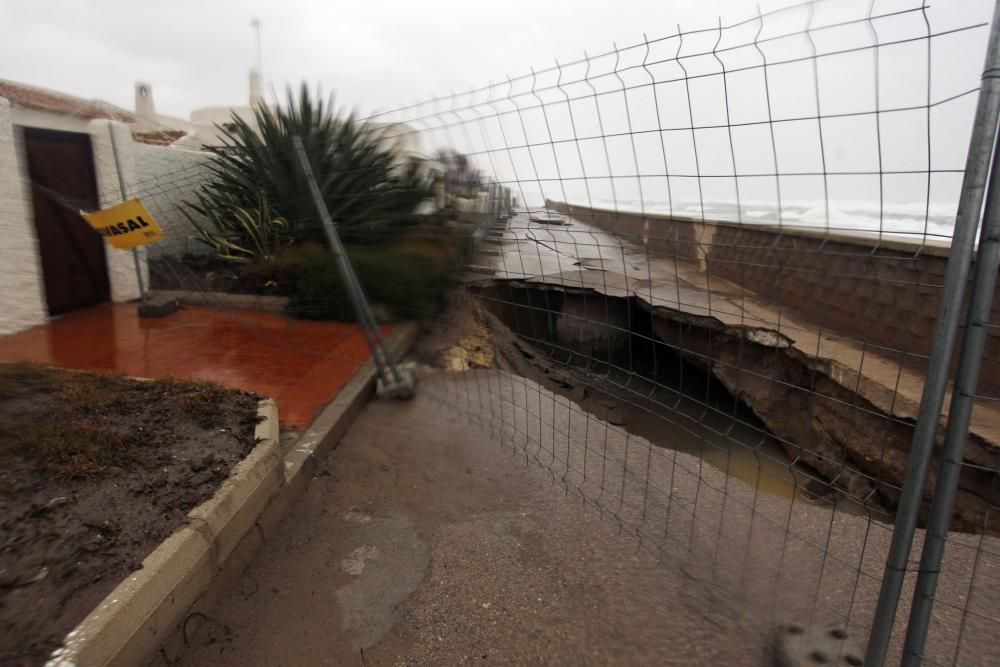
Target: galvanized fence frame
column 453, row 116
column 494, row 126
column 970, row 209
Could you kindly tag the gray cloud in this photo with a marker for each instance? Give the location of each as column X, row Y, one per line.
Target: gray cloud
column 374, row 53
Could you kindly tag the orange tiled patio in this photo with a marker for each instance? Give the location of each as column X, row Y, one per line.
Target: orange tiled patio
column 301, row 364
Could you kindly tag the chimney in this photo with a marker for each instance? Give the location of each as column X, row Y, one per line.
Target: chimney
column 144, row 100
column 255, row 87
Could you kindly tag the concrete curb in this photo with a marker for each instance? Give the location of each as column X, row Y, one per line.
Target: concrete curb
column 270, row 304
column 300, row 464
column 182, row 579
column 329, row 427
column 133, row 620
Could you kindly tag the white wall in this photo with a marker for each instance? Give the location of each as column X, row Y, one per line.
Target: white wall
column 48, row 120
column 208, row 119
column 22, row 290
column 160, row 176
column 164, row 178
column 220, row 115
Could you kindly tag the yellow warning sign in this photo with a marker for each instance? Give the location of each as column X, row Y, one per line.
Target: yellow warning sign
column 125, row 225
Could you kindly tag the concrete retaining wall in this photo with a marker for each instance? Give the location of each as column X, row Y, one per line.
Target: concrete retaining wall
column 882, row 291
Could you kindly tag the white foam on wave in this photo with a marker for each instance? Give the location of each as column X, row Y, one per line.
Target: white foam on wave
column 909, row 219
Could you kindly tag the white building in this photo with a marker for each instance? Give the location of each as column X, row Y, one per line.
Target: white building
column 56, row 156
column 202, row 128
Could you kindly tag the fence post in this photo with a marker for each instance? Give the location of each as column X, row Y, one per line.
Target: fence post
column 124, row 193
column 962, row 401
column 392, row 380
column 943, row 346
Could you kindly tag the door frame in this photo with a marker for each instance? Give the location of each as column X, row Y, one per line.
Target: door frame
column 102, row 275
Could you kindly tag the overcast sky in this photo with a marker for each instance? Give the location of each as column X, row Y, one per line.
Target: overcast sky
column 381, row 54
column 374, row 53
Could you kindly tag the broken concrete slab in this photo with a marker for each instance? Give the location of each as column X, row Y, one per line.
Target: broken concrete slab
column 858, row 398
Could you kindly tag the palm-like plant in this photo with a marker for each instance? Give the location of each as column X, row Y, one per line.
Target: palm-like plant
column 241, row 235
column 365, row 183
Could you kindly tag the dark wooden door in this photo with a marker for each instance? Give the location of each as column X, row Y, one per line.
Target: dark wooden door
column 73, row 260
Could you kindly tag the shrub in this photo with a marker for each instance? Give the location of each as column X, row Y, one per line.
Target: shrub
column 364, row 183
column 309, row 276
column 409, row 276
column 241, row 235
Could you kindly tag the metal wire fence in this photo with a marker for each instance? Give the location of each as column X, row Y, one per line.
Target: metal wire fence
column 730, row 266
column 713, row 283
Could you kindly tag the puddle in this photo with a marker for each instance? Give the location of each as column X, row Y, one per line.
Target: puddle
column 725, row 439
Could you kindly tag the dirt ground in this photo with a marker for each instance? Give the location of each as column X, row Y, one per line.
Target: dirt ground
column 96, row 471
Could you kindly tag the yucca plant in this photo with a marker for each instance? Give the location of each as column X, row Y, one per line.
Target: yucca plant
column 365, row 183
column 241, row 235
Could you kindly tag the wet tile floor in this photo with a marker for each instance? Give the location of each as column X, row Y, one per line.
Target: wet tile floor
column 299, row 363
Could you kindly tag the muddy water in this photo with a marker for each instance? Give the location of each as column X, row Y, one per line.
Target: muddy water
column 652, row 393
column 722, row 438
column 726, row 437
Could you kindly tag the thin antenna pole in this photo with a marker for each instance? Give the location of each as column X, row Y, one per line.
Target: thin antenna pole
column 255, row 23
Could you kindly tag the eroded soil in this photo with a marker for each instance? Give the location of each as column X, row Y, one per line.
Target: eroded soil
column 96, row 471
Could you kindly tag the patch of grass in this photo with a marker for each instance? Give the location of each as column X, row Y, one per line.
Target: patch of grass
column 198, row 400
column 79, row 448
column 18, row 379
column 77, row 424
